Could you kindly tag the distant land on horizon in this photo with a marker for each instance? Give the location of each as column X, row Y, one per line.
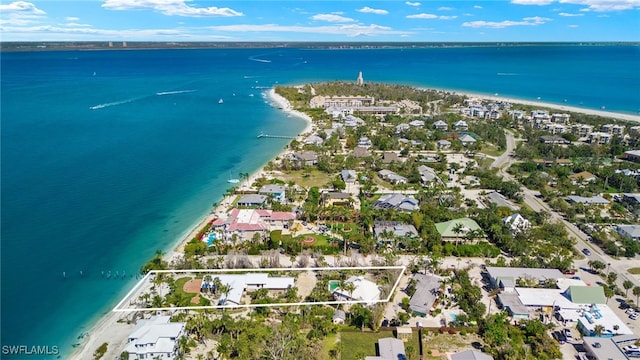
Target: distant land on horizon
column 119, row 45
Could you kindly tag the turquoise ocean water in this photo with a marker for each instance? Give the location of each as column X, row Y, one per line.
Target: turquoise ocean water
column 108, row 156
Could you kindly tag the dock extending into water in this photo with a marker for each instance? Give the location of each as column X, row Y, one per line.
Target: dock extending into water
column 261, row 135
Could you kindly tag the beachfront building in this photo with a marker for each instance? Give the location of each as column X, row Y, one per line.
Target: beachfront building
column 459, row 229
column 305, row 158
column 341, row 101
column 245, row 223
column 275, row 191
column 363, row 290
column 599, row 137
column 233, row 286
column 154, row 338
column 253, row 201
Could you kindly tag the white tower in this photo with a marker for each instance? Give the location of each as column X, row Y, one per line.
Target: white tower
column 360, row 80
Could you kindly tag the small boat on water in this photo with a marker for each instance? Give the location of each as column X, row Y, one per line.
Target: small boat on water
column 220, row 101
column 233, row 180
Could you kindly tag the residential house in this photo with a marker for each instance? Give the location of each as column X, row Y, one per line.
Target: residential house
column 253, row 200
column 313, row 140
column 613, row 348
column 501, row 201
column 388, row 231
column 582, row 178
column 339, row 317
column 458, row 229
column 630, row 231
column 389, row 349
column 397, row 202
column 389, row 157
column 467, row 140
column 246, row 222
column 428, row 176
column 560, row 118
column 554, row 140
column 365, row 291
column 601, row 138
column 417, row 123
column 276, row 191
column 153, row 338
column 392, row 177
column 239, row 283
column 632, row 155
column 426, row 294
column 594, row 200
column 360, row 152
column 631, row 199
column 443, row 144
column 549, row 162
column 613, row 129
column 460, row 125
column 471, row 355
column 306, row 158
column 349, row 176
column 516, row 223
column 341, row 101
column 581, row 130
column 440, row 125
column 365, row 142
column 401, row 128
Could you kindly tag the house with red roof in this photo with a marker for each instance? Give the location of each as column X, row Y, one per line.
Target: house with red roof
column 245, row 223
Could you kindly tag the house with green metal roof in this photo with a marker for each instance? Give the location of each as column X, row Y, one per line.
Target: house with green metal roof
column 585, row 294
column 460, row 229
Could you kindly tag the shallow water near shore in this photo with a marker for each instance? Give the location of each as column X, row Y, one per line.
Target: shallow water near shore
column 108, row 156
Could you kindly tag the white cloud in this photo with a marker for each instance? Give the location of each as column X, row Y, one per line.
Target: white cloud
column 569, row 15
column 367, row 9
column 444, row 8
column 532, row 2
column 422, row 16
column 477, row 7
column 528, row 21
column 351, row 30
column 332, row 18
column 169, row 7
column 573, row 26
column 22, row 7
column 72, row 18
column 20, row 13
column 605, row 5
column 413, row 3
column 431, row 16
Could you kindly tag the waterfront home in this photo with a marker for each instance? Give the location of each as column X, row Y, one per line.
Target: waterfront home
column 363, row 290
column 581, row 130
column 560, row 118
column 458, row 229
column 276, row 191
column 600, row 138
column 313, row 140
column 613, row 129
column 153, row 338
column 305, row 158
column 341, row 101
column 398, row 202
column 392, row 177
column 253, row 200
column 239, row 283
column 245, row 223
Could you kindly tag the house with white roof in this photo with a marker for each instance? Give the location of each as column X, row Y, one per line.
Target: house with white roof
column 313, row 140
column 630, row 231
column 443, row 144
column 428, row 176
column 461, row 125
column 154, row 338
column 364, row 290
column 239, row 283
column 440, row 125
column 247, row 222
column 278, row 192
column 253, row 200
column 389, row 349
column 392, row 177
column 516, row 223
column 386, row 231
column 365, row 142
column 349, row 176
column 467, row 139
column 400, row 128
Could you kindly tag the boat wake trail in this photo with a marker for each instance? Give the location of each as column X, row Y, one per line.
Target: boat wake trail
column 101, row 106
column 253, row 58
column 507, row 74
column 162, row 93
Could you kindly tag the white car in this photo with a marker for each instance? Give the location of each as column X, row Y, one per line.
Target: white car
column 629, row 311
column 633, row 316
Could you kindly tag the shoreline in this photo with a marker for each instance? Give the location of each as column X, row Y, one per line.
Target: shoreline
column 107, row 328
column 540, row 103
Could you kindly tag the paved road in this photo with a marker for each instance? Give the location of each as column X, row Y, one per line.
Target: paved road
column 531, row 199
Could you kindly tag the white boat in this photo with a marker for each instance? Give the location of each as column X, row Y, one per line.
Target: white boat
column 220, row 101
column 233, row 181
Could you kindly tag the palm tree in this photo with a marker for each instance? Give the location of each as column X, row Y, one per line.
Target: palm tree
column 349, row 287
column 636, row 292
column 598, row 330
column 627, row 284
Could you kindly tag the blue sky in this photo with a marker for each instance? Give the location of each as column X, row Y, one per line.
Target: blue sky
column 305, row 20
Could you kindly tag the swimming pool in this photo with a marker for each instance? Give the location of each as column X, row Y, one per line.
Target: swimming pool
column 333, row 284
column 212, row 238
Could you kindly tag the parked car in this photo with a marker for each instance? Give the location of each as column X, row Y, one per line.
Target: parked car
column 567, row 334
column 570, row 272
column 633, row 316
column 586, row 251
column 629, row 311
column 560, row 337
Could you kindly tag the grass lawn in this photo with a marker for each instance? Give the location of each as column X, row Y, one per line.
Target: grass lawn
column 491, row 150
column 634, row 271
column 307, row 178
column 321, row 240
column 356, row 343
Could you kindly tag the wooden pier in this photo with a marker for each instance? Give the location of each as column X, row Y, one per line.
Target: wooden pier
column 261, row 135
